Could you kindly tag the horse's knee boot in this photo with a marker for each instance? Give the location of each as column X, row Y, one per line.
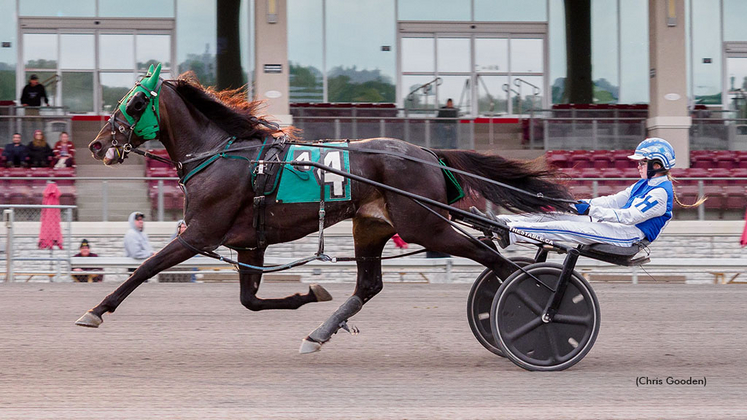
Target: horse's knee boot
column 324, row 332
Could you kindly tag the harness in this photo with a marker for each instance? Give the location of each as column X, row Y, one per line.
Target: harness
column 140, row 108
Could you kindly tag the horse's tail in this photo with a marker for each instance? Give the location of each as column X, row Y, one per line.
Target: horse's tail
column 524, row 175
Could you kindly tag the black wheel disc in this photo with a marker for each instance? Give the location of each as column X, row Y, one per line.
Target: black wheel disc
column 479, row 302
column 516, row 319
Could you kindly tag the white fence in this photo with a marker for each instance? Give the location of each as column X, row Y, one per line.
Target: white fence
column 691, row 251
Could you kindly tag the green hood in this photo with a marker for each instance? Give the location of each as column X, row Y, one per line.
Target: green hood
column 147, row 126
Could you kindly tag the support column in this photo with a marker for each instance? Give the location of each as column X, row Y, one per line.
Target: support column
column 271, row 58
column 668, row 114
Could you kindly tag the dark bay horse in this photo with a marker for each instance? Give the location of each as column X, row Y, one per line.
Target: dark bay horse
column 190, row 119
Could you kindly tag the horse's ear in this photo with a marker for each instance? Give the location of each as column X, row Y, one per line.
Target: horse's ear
column 150, row 71
column 151, row 81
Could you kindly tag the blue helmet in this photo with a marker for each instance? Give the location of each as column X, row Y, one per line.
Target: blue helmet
column 657, row 149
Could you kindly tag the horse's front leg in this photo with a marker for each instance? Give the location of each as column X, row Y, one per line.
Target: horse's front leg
column 370, row 235
column 250, row 279
column 171, row 255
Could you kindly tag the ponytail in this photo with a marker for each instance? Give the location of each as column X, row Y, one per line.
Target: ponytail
column 701, row 199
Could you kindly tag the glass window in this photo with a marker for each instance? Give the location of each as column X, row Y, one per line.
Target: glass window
column 76, row 51
column 456, row 88
column 116, row 51
column 527, row 95
column 433, row 10
column 305, row 50
column 77, row 88
column 80, row 8
column 415, row 94
column 40, row 51
column 50, row 82
column 359, row 69
column 153, row 49
column 491, row 95
column 556, row 39
column 736, row 71
column 491, row 54
column 453, row 54
column 706, row 44
column 604, row 51
column 8, row 55
column 136, row 8
column 196, row 38
column 734, row 14
column 634, row 76
column 418, row 55
column 511, row 10
column 114, row 86
column 526, row 55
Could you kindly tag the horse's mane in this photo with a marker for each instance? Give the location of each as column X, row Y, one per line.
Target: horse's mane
column 229, row 109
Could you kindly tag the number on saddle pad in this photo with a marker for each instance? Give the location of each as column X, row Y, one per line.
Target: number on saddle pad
column 302, row 184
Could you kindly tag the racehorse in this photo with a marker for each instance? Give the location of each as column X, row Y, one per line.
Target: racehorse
column 193, row 123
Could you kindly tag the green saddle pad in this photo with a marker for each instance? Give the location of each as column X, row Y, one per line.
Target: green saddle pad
column 303, row 184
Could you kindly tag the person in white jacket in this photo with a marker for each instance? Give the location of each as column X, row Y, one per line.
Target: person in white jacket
column 136, row 244
column 639, row 212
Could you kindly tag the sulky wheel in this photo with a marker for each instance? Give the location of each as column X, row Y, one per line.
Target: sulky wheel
column 516, row 319
column 479, row 302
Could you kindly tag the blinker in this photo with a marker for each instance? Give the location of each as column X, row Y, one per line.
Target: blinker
column 136, row 105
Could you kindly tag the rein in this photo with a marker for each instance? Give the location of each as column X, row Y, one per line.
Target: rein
column 438, row 165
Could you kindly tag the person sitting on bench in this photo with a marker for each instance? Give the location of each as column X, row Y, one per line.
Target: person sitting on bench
column 638, row 213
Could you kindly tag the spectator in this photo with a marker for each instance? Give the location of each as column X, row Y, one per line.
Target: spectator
column 446, row 126
column 15, row 153
column 64, row 152
column 85, row 251
column 136, row 242
column 175, row 277
column 40, row 154
column 33, row 93
column 181, row 226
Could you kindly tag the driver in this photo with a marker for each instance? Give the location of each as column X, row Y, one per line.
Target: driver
column 639, row 212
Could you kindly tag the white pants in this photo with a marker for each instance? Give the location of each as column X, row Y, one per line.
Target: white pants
column 562, row 227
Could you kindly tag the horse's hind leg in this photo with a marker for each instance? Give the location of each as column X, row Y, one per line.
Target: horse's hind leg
column 370, row 235
column 250, row 280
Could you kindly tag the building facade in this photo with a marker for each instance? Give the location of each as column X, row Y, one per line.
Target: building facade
column 499, row 57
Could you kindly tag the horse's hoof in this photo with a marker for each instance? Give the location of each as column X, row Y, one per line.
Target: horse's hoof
column 89, row 320
column 322, row 295
column 308, row 346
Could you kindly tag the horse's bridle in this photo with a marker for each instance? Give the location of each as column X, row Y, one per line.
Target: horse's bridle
column 124, row 127
column 119, row 125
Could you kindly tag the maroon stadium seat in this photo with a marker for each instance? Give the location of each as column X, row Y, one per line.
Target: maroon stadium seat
column 557, row 159
column 701, row 159
column 725, row 159
column 580, row 191
column 716, row 197
column 736, row 199
column 580, row 159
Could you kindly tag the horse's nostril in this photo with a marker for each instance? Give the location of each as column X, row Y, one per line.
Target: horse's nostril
column 96, row 146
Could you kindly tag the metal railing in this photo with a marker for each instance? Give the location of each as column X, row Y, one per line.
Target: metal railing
column 24, row 120
column 701, row 187
column 161, row 201
column 548, row 129
column 19, row 250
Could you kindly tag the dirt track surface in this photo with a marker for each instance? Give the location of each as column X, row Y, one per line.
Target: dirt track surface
column 191, row 351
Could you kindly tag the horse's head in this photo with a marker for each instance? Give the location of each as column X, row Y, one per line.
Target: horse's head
column 135, row 120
